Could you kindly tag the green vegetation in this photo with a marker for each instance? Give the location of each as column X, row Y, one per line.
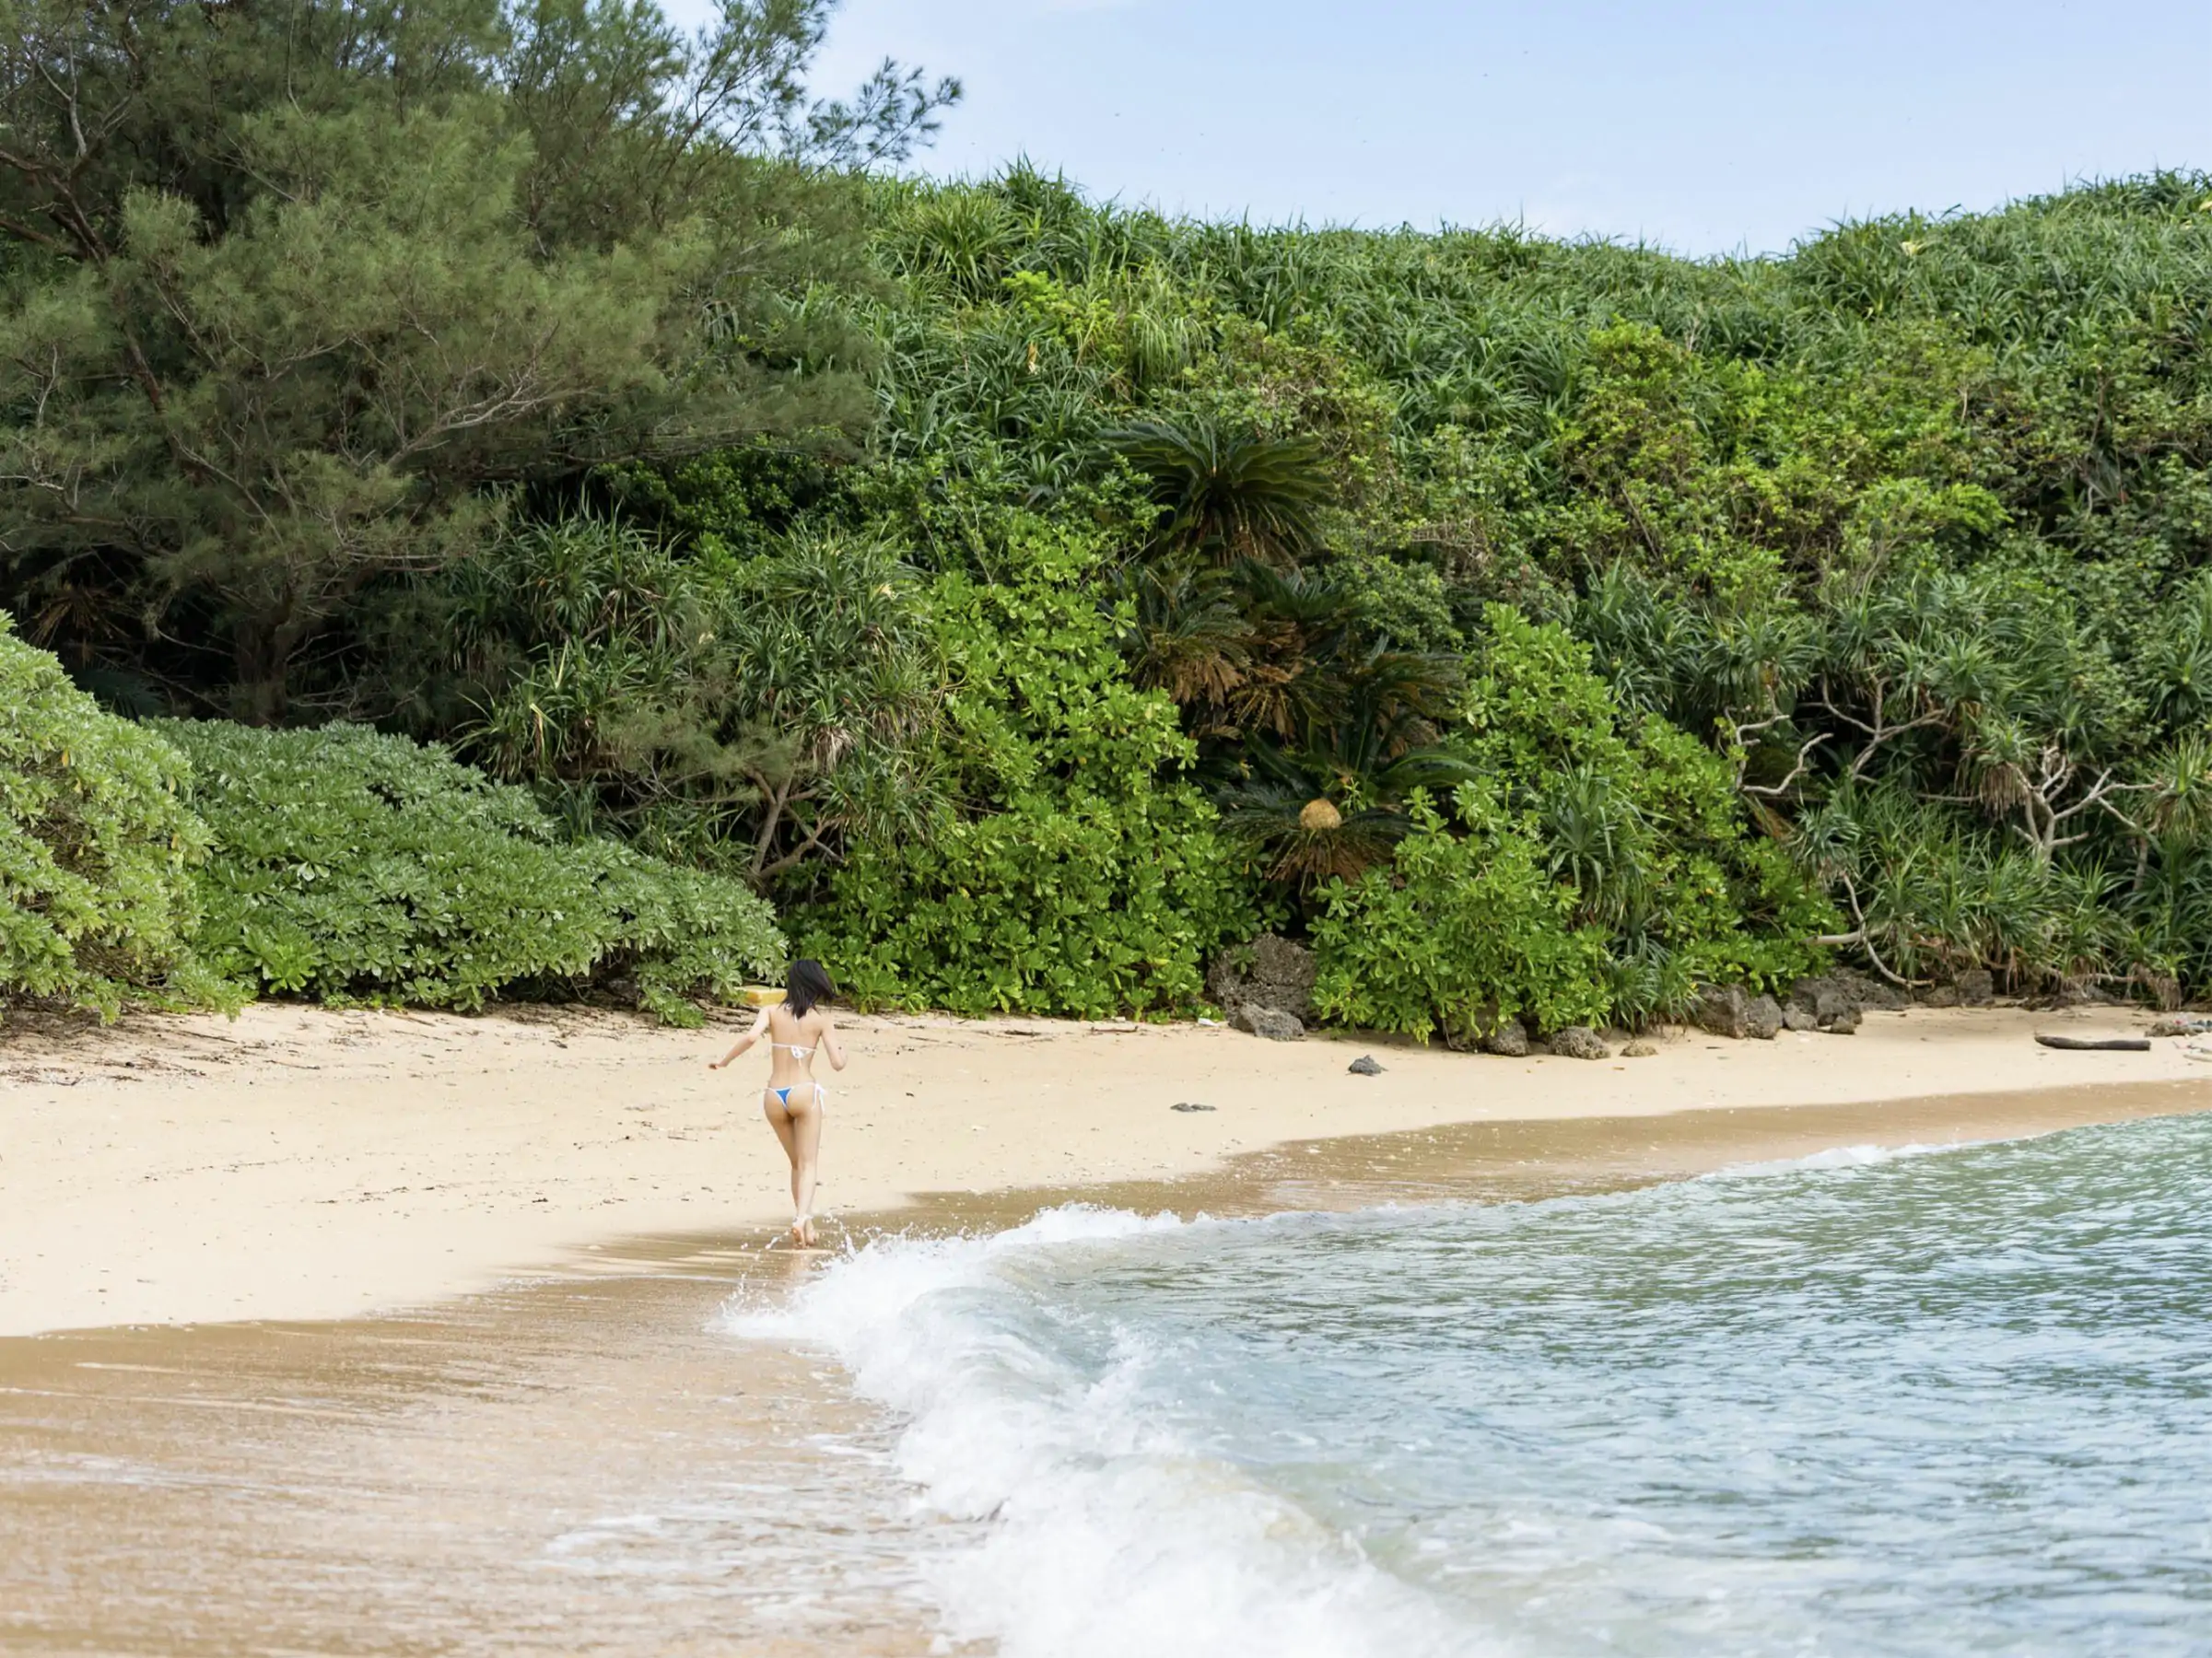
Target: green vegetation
column 1031, row 596
column 1594, row 868
column 1067, row 871
column 354, row 867
column 341, row 863
column 302, row 294
column 96, row 847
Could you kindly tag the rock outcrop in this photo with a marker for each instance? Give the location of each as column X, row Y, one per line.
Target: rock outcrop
column 1855, row 988
column 1835, row 1001
column 1579, row 1042
column 1508, row 1038
column 1270, row 1022
column 1729, row 1011
column 1270, row 972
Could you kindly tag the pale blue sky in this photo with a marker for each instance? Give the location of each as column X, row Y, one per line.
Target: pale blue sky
column 1704, row 127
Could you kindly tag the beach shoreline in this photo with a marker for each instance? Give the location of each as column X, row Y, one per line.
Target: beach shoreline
column 301, row 1164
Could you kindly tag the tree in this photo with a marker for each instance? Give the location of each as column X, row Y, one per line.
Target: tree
column 298, row 291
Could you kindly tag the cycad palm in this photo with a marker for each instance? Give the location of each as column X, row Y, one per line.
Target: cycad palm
column 1334, row 802
column 1227, row 492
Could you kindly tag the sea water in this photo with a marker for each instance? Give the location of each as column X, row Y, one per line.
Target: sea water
column 1946, row 1403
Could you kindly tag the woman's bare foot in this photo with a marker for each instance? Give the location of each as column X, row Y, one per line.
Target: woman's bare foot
column 807, row 1231
column 797, row 1232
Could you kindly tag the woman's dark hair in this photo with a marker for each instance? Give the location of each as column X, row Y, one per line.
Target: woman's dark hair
column 809, row 983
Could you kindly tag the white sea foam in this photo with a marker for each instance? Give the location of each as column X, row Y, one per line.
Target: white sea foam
column 1110, row 1534
column 1839, row 1157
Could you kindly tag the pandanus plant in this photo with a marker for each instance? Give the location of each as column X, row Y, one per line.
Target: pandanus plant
column 748, row 715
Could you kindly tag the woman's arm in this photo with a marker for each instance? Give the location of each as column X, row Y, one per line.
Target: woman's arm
column 830, row 1045
column 760, row 1024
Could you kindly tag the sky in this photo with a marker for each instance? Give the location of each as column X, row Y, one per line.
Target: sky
column 1705, row 128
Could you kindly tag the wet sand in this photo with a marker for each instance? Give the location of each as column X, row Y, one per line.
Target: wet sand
column 582, row 1464
column 561, row 1468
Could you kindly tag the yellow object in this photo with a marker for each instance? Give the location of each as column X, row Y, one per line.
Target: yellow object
column 1319, row 815
column 760, row 996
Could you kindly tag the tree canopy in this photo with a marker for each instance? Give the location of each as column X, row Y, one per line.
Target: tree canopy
column 299, row 296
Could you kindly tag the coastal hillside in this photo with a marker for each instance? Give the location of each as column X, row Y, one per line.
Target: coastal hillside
column 1033, row 598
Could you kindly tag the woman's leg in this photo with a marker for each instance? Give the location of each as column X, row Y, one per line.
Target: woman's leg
column 779, row 1119
column 806, row 1131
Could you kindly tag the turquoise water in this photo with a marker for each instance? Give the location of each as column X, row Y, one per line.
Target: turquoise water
column 1946, row 1403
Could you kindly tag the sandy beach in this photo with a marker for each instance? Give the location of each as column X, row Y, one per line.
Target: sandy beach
column 416, row 1331
column 299, row 1163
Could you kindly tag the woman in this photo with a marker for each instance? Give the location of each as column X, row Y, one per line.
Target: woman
column 792, row 1098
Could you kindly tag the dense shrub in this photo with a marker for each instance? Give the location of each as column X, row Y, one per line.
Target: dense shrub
column 1602, row 867
column 1081, row 876
column 1464, row 927
column 350, row 866
column 1912, row 516
column 96, row 844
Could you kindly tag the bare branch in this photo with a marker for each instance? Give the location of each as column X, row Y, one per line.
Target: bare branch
column 1771, row 790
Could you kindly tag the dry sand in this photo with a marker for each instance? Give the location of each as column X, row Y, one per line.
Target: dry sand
column 297, row 1163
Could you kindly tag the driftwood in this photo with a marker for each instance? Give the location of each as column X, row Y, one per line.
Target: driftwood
column 2116, row 1045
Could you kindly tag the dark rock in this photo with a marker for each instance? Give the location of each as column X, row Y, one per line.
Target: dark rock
column 1638, row 1050
column 1832, row 1005
column 1726, row 1011
column 1722, row 1009
column 1364, row 1066
column 2083, row 996
column 1270, row 1022
column 1508, row 1037
column 1795, row 1018
column 1269, row 971
column 1975, row 988
column 1942, row 996
column 1835, row 1001
column 1188, row 1106
column 1856, row 988
column 1579, row 1042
